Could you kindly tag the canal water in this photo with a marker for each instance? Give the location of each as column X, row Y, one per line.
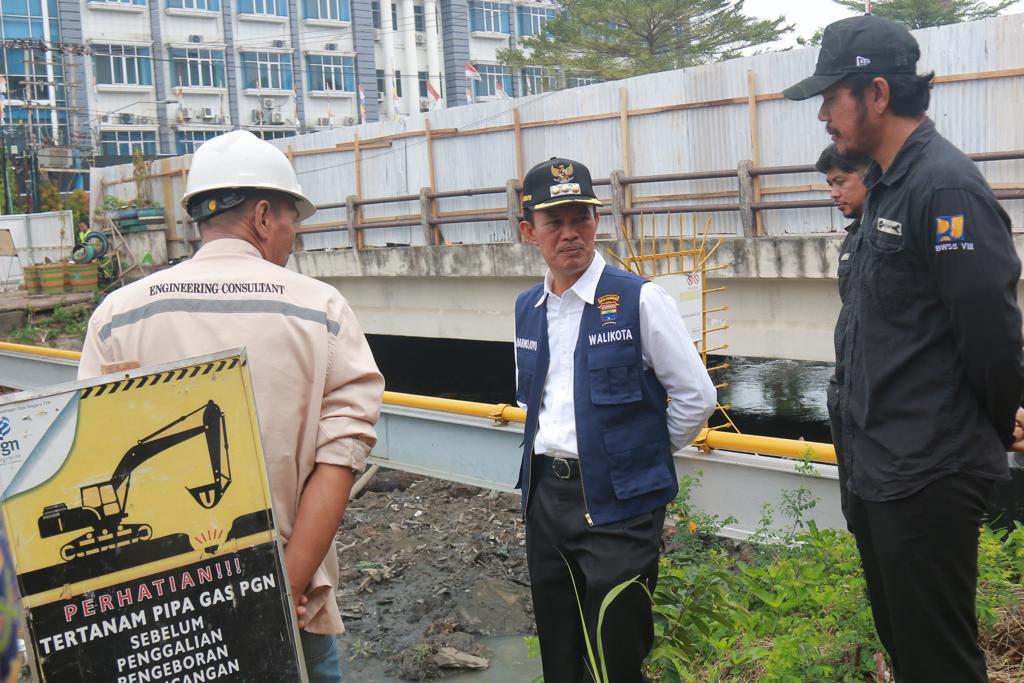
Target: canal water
column 782, row 398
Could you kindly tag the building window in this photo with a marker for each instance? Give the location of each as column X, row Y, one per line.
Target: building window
column 490, row 17
column 577, row 81
column 531, row 19
column 375, row 11
column 197, row 68
column 419, row 19
column 327, row 10
column 267, row 8
column 394, row 16
column 122, row 2
column 398, row 83
column 380, row 83
column 490, row 76
column 331, row 72
column 266, row 71
column 423, row 83
column 205, row 5
column 122, row 65
column 537, row 79
column 189, row 140
column 122, row 143
column 273, row 134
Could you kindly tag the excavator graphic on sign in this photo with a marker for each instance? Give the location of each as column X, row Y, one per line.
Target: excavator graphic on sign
column 104, row 507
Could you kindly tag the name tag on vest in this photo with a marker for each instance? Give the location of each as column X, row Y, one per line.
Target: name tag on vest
column 528, row 344
column 611, row 336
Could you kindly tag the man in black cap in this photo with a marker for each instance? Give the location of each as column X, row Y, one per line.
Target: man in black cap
column 928, row 351
column 598, row 352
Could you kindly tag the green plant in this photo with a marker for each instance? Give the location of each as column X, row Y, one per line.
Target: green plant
column 49, row 197
column 63, row 322
column 112, row 203
column 140, row 175
column 78, row 203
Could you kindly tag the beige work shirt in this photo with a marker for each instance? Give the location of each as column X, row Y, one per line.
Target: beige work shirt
column 312, row 370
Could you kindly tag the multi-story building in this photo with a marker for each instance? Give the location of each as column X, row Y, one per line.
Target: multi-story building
column 34, row 107
column 165, row 75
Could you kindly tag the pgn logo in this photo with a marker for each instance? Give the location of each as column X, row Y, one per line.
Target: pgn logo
column 7, row 447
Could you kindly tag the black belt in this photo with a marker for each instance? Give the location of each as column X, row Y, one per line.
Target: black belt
column 561, row 468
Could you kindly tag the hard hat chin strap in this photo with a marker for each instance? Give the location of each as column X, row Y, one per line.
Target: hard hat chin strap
column 209, row 205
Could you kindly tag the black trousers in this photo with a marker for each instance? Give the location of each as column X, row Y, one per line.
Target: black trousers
column 920, row 559
column 597, row 559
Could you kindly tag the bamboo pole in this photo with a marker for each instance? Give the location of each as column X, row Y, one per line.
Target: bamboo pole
column 627, row 168
column 435, row 231
column 358, row 218
column 755, row 149
column 518, row 124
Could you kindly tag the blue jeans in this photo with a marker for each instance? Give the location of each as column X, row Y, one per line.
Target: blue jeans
column 321, row 655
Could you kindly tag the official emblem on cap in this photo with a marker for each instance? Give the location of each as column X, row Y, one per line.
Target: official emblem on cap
column 572, row 184
column 609, row 307
column 561, row 173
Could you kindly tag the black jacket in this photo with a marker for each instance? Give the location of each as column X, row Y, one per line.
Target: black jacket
column 929, row 369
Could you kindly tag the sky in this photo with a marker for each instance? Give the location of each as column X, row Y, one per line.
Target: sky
column 810, row 15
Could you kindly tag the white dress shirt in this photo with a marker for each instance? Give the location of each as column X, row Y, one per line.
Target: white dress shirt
column 664, row 344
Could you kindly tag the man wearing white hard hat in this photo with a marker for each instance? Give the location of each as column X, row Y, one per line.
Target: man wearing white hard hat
column 316, row 385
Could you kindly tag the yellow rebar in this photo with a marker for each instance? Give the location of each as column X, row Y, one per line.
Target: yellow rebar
column 40, row 351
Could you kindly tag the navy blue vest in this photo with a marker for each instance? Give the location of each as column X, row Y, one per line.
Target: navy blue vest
column 621, row 429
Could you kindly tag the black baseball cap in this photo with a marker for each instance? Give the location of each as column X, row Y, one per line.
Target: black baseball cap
column 865, row 44
column 558, row 181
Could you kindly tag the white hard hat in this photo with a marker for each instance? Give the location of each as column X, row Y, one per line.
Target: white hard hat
column 239, row 160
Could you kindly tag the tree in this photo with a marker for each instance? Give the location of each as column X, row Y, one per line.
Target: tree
column 611, row 39
column 924, row 13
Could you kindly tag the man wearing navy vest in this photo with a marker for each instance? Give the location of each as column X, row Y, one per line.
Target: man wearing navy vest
column 599, row 351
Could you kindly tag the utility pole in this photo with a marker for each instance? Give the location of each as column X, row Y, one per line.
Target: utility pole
column 9, row 206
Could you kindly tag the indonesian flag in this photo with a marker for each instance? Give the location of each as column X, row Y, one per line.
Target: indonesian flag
column 432, row 91
column 471, row 73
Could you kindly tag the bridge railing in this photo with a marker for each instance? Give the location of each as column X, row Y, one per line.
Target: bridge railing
column 621, row 206
column 502, row 413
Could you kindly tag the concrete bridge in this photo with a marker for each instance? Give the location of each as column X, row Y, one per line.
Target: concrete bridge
column 781, row 291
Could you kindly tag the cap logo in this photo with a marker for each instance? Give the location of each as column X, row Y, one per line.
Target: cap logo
column 564, row 188
column 862, row 61
column 562, row 174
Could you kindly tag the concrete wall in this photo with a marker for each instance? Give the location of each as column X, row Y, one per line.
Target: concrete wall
column 781, row 294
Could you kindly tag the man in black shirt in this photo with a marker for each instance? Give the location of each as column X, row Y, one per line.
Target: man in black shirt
column 928, row 351
column 845, row 177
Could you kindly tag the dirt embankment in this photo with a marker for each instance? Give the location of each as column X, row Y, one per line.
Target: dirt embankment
column 428, row 568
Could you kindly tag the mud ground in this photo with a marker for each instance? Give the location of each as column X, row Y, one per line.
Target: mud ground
column 428, row 569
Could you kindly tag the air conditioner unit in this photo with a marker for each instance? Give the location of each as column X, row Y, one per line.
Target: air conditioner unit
column 268, row 102
column 126, row 118
column 277, row 117
column 184, row 113
column 195, row 38
column 278, row 43
column 331, row 47
column 421, row 39
column 350, row 120
column 324, row 121
column 207, row 113
column 257, row 116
